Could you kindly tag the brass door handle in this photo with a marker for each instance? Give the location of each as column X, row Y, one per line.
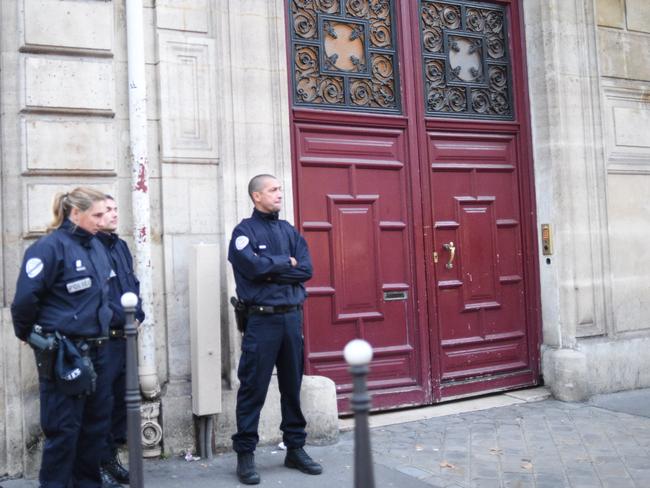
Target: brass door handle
column 452, row 254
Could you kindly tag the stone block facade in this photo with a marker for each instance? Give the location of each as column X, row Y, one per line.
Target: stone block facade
column 217, row 114
column 588, row 71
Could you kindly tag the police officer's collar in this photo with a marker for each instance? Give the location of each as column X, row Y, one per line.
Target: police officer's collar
column 83, row 236
column 107, row 238
column 266, row 216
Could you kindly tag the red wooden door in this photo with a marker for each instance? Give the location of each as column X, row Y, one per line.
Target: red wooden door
column 409, row 133
column 356, row 214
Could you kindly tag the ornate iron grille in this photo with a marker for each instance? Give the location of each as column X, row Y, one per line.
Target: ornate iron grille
column 344, row 55
column 465, row 60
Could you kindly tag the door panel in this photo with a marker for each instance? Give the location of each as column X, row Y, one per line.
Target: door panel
column 356, row 220
column 480, row 295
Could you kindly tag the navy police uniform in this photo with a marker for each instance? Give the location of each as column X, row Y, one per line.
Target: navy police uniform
column 273, row 292
column 124, row 281
column 63, row 287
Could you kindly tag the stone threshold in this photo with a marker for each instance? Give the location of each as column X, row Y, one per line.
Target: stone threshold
column 382, row 419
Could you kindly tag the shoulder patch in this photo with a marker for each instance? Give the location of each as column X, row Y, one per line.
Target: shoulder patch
column 33, row 267
column 241, row 242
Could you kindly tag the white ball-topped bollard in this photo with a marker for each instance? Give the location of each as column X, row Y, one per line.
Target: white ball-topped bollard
column 129, row 300
column 357, row 352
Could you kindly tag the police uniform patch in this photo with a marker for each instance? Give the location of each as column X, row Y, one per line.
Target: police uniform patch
column 241, row 242
column 82, row 284
column 33, row 267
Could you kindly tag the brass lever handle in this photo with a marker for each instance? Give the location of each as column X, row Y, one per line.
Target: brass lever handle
column 452, row 254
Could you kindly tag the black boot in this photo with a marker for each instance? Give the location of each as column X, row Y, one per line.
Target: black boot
column 246, row 468
column 107, row 479
column 114, row 467
column 299, row 459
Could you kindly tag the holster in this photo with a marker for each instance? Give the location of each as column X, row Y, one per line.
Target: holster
column 45, row 348
column 241, row 314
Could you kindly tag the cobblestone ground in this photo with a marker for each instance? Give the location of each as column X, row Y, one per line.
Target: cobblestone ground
column 547, row 444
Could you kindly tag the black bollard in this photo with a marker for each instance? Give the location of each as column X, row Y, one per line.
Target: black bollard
column 358, row 354
column 133, row 420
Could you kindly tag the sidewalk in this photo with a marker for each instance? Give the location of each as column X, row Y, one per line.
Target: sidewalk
column 523, row 443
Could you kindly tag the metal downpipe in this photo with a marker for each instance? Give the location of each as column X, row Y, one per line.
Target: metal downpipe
column 149, row 383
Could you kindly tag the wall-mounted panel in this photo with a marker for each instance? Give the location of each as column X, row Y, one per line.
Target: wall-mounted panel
column 37, row 203
column 638, row 15
column 78, row 84
column 70, row 146
column 627, row 123
column 629, row 234
column 624, row 54
column 68, row 24
column 187, row 99
column 611, row 13
column 183, row 15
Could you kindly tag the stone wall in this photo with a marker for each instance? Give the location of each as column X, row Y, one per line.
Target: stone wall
column 63, row 123
column 217, row 114
column 588, row 73
column 624, row 56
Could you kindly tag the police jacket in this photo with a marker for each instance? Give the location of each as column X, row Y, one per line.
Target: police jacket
column 259, row 252
column 125, row 279
column 63, row 285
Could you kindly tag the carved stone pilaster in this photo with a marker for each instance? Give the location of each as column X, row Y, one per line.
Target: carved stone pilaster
column 569, row 167
column 151, row 429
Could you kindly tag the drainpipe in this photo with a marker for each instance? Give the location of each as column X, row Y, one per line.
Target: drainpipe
column 149, row 383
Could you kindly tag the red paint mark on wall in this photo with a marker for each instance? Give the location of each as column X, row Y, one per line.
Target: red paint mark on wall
column 142, row 234
column 141, row 184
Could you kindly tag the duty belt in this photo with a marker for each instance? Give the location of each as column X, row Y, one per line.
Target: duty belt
column 268, row 309
column 91, row 341
column 116, row 333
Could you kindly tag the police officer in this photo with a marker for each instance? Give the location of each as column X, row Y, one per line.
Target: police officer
column 63, row 288
column 271, row 262
column 112, row 470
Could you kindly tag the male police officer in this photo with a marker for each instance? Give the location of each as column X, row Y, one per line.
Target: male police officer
column 124, row 281
column 271, row 262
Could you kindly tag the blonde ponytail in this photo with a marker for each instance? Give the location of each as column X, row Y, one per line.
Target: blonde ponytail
column 81, row 198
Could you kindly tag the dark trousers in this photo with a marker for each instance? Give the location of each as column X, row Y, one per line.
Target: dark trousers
column 116, row 378
column 270, row 340
column 74, row 428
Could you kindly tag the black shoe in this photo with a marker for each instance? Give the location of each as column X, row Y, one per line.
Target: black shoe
column 246, row 468
column 115, row 468
column 107, row 479
column 299, row 459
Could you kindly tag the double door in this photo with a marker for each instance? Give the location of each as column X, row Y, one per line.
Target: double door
column 413, row 187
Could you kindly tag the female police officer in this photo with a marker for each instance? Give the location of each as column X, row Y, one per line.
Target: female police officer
column 62, row 289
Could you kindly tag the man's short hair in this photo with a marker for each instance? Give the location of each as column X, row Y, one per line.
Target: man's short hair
column 255, row 184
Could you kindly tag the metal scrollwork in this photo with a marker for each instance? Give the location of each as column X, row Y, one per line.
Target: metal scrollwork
column 378, row 92
column 380, row 24
column 357, row 8
column 490, row 23
column 435, row 73
column 471, row 79
column 344, row 54
column 310, row 86
column 305, row 12
column 436, row 17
